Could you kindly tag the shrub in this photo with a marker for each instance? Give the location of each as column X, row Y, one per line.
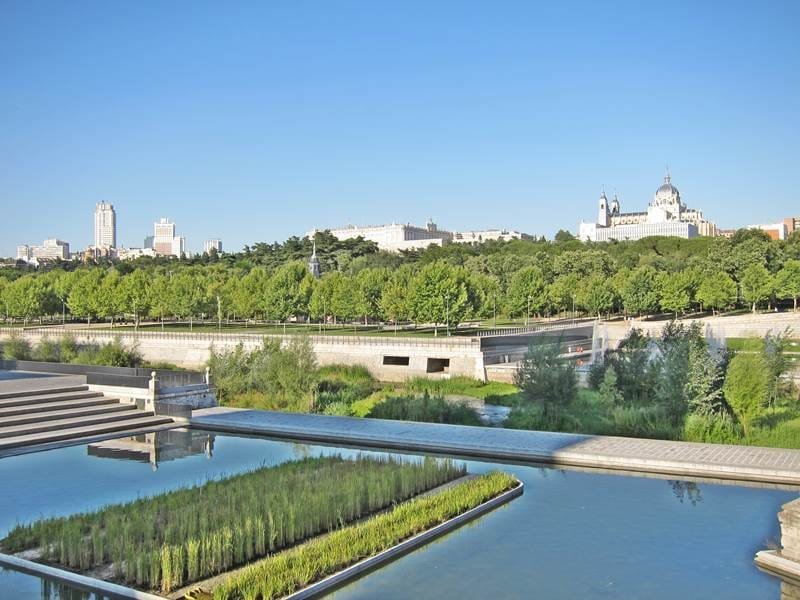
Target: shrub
column 425, row 408
column 711, row 428
column 47, row 350
column 112, row 354
column 16, row 347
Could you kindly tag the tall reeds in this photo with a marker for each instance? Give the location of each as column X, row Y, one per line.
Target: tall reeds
column 281, row 574
column 165, row 541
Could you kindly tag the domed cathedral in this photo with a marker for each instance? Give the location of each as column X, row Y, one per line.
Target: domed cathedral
column 666, row 215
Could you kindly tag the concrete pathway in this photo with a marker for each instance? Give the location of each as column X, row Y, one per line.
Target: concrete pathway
column 743, row 463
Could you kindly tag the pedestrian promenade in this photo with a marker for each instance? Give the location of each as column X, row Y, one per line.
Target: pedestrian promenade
column 742, row 463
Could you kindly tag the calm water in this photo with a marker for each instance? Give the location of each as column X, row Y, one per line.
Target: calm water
column 571, row 535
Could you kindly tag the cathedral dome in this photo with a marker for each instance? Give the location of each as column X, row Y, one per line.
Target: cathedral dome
column 667, row 193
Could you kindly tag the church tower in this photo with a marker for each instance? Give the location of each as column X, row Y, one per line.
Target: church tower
column 615, row 206
column 313, row 263
column 603, row 214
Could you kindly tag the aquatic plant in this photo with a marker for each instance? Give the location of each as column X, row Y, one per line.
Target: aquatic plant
column 168, row 540
column 290, row 570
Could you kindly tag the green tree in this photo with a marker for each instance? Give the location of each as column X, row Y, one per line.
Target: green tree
column 717, row 291
column 108, row 297
column 25, row 297
column 527, row 293
column 395, row 300
column 607, row 390
column 640, row 294
column 370, row 285
column 440, row 294
column 746, row 386
column 287, row 291
column 545, row 380
column 787, row 281
column 597, row 295
column 563, row 293
column 757, row 285
column 82, row 301
column 673, row 291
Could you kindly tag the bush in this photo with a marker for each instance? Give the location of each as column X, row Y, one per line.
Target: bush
column 346, row 373
column 16, row 347
column 716, row 429
column 286, row 376
column 425, row 408
column 112, row 354
column 47, row 350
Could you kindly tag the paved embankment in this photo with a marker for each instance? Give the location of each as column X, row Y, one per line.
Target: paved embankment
column 743, row 463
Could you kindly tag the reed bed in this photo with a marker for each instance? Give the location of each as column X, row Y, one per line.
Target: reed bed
column 288, row 571
column 169, row 540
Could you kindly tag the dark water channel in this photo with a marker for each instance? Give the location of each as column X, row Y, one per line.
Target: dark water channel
column 573, row 534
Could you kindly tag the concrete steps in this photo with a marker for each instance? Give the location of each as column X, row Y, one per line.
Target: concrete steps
column 109, row 407
column 45, row 397
column 56, row 406
column 52, row 415
column 20, row 393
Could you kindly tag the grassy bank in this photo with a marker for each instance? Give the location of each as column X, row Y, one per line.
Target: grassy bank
column 286, row 572
column 165, row 541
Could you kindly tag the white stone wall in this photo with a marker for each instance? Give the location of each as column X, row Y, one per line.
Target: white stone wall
column 192, row 350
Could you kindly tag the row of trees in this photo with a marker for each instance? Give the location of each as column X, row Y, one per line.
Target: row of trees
column 440, row 285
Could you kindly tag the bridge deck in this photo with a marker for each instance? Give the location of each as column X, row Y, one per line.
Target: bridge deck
column 742, row 463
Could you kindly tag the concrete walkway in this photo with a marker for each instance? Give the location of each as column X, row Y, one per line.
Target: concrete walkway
column 743, row 463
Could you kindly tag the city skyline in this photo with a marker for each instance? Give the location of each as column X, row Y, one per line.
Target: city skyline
column 321, row 116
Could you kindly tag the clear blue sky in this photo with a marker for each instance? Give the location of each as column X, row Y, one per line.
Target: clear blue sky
column 254, row 121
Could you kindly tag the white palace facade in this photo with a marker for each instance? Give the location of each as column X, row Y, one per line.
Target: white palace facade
column 665, row 216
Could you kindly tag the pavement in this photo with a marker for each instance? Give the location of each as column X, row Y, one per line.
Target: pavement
column 715, row 461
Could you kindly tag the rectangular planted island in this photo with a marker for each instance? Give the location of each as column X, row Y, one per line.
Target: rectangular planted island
column 263, row 534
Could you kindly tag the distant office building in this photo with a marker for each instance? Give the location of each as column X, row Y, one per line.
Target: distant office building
column 210, row 245
column 148, row 242
column 394, row 237
column 776, row 231
column 792, row 224
column 132, row 253
column 51, row 249
column 165, row 242
column 105, row 225
column 486, row 235
column 666, row 215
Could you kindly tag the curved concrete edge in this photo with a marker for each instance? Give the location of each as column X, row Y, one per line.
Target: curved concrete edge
column 772, row 562
column 557, row 458
column 373, row 562
column 88, row 583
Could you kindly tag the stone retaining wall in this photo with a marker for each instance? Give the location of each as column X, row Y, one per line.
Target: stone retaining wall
column 789, row 518
column 388, row 358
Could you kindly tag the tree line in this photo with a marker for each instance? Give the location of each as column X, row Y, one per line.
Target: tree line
column 448, row 284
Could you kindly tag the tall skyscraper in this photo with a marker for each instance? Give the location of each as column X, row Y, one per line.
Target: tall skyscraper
column 165, row 242
column 105, row 225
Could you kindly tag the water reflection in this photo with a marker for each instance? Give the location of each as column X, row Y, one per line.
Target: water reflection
column 687, row 491
column 55, row 590
column 156, row 447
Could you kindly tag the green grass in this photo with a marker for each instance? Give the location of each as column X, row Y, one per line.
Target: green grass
column 165, row 541
column 492, row 392
column 425, row 408
column 286, row 572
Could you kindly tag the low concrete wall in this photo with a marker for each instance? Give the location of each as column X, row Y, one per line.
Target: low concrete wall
column 192, row 350
column 789, row 518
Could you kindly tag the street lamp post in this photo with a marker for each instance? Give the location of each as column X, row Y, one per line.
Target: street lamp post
column 528, row 314
column 447, row 313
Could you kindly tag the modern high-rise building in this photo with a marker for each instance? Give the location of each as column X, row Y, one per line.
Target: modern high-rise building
column 165, row 242
column 51, row 249
column 215, row 244
column 105, row 225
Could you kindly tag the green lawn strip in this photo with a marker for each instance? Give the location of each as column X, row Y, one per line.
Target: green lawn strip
column 288, row 571
column 168, row 540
